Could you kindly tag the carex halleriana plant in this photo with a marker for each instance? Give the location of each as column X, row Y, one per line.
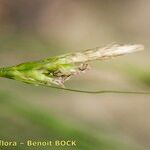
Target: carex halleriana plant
column 58, row 69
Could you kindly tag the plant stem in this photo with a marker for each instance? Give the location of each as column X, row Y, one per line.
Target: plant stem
column 102, row 91
column 2, row 74
column 5, row 72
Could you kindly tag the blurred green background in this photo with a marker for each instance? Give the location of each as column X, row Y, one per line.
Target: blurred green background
column 35, row 29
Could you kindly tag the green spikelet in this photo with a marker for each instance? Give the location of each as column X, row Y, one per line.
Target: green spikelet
column 56, row 70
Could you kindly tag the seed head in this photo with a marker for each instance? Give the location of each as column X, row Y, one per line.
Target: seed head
column 57, row 70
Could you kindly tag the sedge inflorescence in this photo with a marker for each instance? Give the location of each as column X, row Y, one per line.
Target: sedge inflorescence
column 57, row 70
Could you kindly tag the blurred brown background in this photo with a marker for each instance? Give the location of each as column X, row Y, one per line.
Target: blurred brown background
column 34, row 29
